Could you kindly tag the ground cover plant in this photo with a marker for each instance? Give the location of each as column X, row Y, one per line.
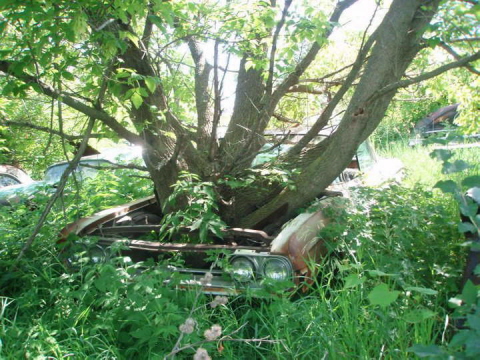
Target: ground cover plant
column 396, row 259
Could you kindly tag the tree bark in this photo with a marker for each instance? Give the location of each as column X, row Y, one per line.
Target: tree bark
column 396, row 43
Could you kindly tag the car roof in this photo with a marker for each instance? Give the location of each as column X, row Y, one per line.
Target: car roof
column 16, row 172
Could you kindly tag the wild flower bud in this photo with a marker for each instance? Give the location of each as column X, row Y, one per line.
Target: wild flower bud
column 214, row 332
column 188, row 326
column 191, row 322
column 201, row 354
column 207, row 279
column 219, row 300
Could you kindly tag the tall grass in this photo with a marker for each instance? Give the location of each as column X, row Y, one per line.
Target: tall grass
column 396, row 258
column 422, row 169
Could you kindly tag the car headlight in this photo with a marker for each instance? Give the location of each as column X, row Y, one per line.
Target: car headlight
column 277, row 269
column 97, row 254
column 242, row 269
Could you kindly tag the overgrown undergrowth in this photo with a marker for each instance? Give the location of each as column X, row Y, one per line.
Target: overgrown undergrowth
column 396, row 260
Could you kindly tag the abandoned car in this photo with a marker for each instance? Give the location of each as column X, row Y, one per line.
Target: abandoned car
column 88, row 167
column 252, row 260
column 248, row 260
column 11, row 175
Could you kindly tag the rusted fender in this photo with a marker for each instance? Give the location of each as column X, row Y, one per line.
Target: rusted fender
column 300, row 240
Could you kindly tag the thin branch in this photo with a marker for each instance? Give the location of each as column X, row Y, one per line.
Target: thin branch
column 147, row 30
column 273, row 51
column 58, row 192
column 48, row 130
column 51, row 128
column 306, row 90
column 473, row 39
column 294, row 77
column 223, row 338
column 456, row 56
column 114, row 166
column 285, row 119
column 217, row 102
column 110, row 121
column 407, row 82
column 327, row 113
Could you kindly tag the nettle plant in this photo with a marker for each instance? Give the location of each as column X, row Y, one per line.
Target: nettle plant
column 195, row 204
column 464, row 344
column 198, row 209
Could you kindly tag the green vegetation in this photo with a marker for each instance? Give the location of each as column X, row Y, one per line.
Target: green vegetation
column 170, row 76
column 396, row 260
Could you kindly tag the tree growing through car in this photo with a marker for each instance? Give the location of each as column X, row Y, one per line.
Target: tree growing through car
column 158, row 73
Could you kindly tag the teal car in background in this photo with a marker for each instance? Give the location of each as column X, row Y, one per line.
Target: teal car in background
column 88, row 167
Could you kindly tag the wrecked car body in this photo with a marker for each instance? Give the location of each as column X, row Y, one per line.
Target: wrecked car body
column 248, row 261
column 11, row 175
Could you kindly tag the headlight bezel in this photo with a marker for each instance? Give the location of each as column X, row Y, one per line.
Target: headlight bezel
column 259, row 263
column 285, row 267
column 235, row 271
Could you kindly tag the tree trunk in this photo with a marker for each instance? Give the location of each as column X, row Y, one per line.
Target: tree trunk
column 397, row 42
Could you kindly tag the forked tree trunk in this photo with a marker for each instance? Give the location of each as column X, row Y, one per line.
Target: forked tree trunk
column 396, row 43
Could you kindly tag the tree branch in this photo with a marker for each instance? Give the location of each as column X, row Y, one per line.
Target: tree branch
column 111, row 122
column 473, row 39
column 285, row 119
column 306, row 90
column 457, row 57
column 273, row 51
column 48, row 130
column 294, row 77
column 61, row 185
column 327, row 113
column 202, row 96
column 407, row 82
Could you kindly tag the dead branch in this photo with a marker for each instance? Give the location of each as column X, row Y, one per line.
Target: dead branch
column 223, row 338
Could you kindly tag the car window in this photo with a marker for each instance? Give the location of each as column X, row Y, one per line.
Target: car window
column 54, row 173
column 7, row 180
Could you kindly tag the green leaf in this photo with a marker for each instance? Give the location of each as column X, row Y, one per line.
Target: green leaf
column 151, row 84
column 353, row 280
column 469, row 293
column 468, row 208
column 447, row 186
column 441, row 154
column 143, row 332
column 418, row 315
column 471, row 181
column 426, row 350
column 136, row 100
column 375, row 273
column 476, row 271
column 196, row 225
column 68, row 75
column 473, row 321
column 459, row 339
column 421, row 290
column 456, row 166
column 382, row 296
column 466, row 227
column 472, row 346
